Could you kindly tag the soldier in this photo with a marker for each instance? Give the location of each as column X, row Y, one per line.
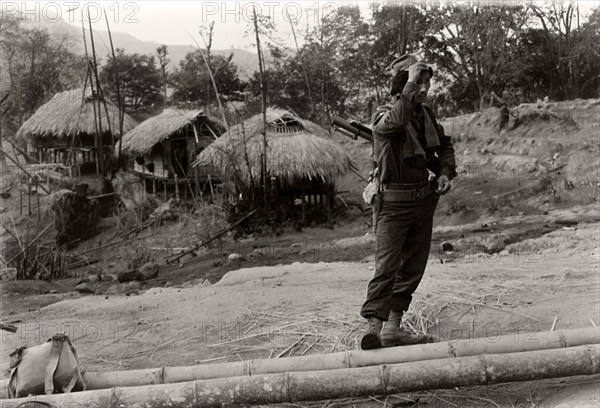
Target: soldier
column 504, row 117
column 416, row 162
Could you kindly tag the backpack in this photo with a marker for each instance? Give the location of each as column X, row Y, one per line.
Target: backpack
column 43, row 369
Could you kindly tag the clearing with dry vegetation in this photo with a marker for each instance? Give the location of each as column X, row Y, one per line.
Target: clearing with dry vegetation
column 516, row 251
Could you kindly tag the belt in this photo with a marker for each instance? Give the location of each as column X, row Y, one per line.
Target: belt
column 414, row 194
column 403, row 186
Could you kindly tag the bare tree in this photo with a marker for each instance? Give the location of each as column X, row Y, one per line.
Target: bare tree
column 263, row 89
column 557, row 22
column 162, row 53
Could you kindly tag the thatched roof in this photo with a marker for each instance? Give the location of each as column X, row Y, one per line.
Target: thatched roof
column 65, row 115
column 158, row 128
column 296, row 148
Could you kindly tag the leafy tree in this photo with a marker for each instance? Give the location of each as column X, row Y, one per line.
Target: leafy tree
column 474, row 46
column 587, row 58
column 557, row 23
column 287, row 85
column 139, row 81
column 395, row 29
column 346, row 41
column 192, row 81
column 34, row 67
column 325, row 73
column 569, row 63
column 203, row 77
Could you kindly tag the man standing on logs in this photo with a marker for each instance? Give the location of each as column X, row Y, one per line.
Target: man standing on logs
column 415, row 162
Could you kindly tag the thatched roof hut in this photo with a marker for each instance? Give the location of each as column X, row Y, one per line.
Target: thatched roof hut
column 71, row 113
column 297, row 149
column 169, row 123
column 63, row 130
column 165, row 145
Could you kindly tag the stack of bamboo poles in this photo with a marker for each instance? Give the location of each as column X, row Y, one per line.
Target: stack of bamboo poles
column 347, row 374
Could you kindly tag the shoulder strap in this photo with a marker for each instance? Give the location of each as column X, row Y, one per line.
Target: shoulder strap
column 55, row 351
column 15, row 358
column 77, row 376
column 69, row 387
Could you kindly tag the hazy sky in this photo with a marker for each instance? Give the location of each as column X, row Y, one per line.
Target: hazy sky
column 176, row 22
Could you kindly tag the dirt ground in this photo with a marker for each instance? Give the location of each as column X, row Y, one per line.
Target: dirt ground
column 525, row 259
column 259, row 312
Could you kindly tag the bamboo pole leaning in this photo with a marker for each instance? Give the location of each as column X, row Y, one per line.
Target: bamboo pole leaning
column 518, row 342
column 485, row 369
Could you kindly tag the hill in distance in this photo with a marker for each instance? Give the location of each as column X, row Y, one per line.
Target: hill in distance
column 247, row 62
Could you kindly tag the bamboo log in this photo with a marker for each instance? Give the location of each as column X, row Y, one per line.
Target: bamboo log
column 176, row 257
column 345, row 383
column 16, row 163
column 30, row 244
column 518, row 342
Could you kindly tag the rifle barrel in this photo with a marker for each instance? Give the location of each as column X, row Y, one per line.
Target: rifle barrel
column 354, row 128
column 8, row 327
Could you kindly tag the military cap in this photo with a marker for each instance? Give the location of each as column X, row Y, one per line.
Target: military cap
column 404, row 62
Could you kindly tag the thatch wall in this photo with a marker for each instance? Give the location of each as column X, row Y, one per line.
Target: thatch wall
column 297, row 149
column 69, row 114
column 167, row 124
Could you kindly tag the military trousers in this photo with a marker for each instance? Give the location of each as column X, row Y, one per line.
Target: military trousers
column 403, row 240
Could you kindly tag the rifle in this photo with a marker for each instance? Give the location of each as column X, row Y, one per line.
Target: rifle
column 8, row 327
column 352, row 129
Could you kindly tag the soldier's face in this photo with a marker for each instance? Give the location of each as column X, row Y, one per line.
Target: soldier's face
column 423, row 83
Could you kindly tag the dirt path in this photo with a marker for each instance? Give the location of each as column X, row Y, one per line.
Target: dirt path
column 259, row 312
column 513, row 270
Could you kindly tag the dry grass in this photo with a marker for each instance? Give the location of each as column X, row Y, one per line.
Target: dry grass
column 204, row 221
column 141, row 255
column 284, row 332
column 589, row 188
column 29, row 252
column 281, row 332
column 132, row 219
column 52, row 203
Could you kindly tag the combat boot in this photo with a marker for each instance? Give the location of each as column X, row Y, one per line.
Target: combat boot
column 393, row 334
column 370, row 339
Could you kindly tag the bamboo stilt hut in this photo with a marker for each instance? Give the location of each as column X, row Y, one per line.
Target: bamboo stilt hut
column 63, row 129
column 301, row 157
column 344, row 383
column 165, row 145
